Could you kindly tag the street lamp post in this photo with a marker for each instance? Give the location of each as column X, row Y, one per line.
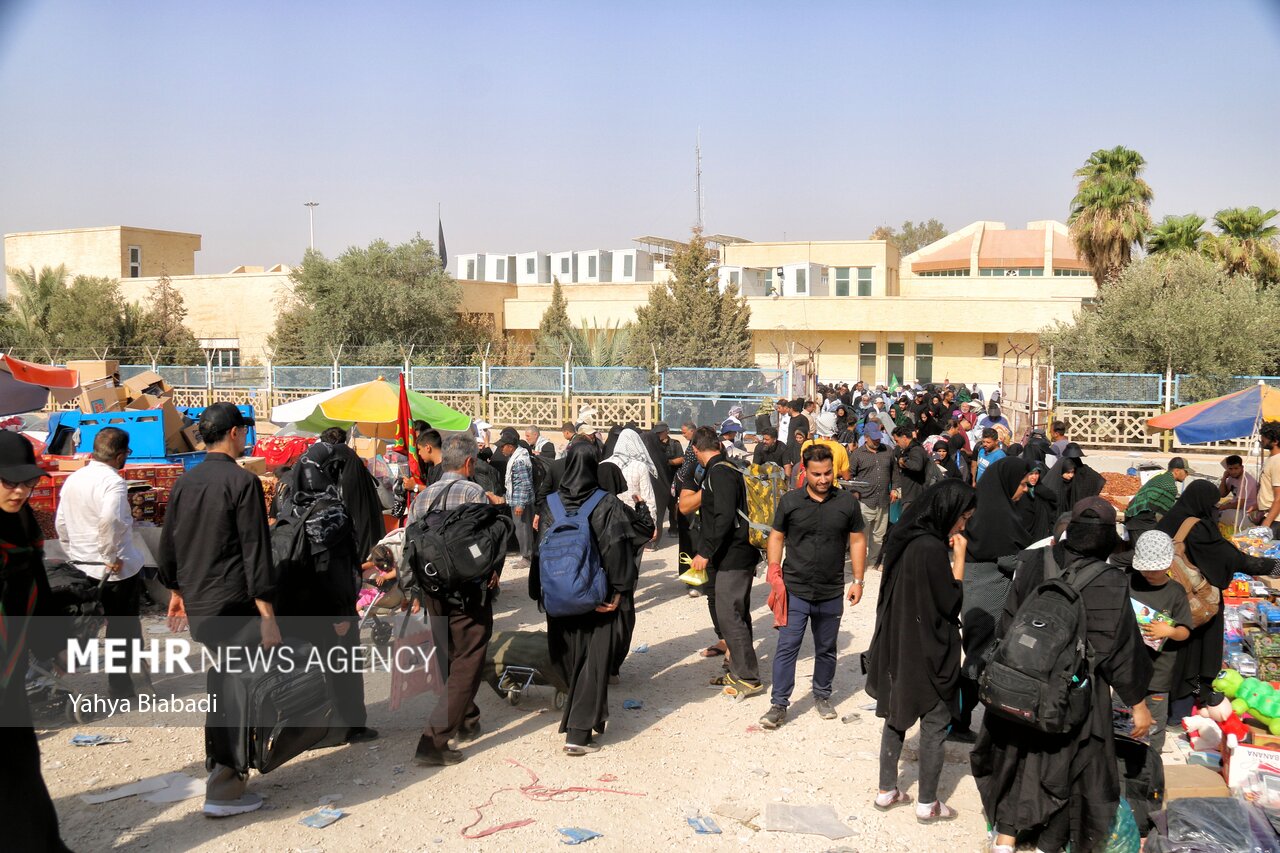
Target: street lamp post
column 311, row 219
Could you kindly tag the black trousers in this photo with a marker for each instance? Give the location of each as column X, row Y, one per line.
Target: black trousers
column 346, row 689
column 733, row 611
column 120, row 600
column 465, row 633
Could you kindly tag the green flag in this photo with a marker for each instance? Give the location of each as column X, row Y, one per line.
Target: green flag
column 893, row 382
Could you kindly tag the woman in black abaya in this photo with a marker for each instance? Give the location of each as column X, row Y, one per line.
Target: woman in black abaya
column 582, row 647
column 1064, row 789
column 1071, row 480
column 1217, row 559
column 1038, row 506
column 996, row 534
column 913, row 665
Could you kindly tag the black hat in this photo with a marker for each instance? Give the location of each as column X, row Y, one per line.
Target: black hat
column 1094, row 507
column 1177, row 462
column 661, row 427
column 17, row 458
column 220, row 417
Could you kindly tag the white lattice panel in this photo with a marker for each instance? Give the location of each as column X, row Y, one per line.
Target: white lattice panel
column 1110, row 426
column 545, row 411
column 617, row 408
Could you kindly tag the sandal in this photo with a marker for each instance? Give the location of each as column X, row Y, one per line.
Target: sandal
column 719, row 681
column 711, row 652
column 899, row 799
column 739, row 689
column 938, row 813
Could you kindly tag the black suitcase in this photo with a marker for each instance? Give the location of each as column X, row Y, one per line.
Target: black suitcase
column 1142, row 778
column 281, row 713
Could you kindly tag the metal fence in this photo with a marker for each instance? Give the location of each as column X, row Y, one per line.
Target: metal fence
column 305, row 378
column 462, row 379
column 611, row 380
column 357, row 375
column 528, row 380
column 1136, row 388
column 712, row 382
column 1186, row 390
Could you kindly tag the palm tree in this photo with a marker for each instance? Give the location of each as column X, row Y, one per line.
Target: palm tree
column 587, row 345
column 1111, row 212
column 1245, row 244
column 1177, row 234
column 35, row 297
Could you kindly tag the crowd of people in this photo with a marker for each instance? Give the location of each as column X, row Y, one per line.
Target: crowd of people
column 928, row 486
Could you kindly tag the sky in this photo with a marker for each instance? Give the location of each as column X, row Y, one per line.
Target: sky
column 562, row 125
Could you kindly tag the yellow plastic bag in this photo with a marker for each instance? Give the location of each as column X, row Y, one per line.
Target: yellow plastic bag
column 693, row 577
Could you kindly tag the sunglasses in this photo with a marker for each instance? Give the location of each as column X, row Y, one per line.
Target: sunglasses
column 22, row 484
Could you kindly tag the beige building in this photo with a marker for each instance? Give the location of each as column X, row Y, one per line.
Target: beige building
column 845, row 309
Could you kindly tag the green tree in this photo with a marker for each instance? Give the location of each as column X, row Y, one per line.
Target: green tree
column 1246, row 243
column 373, row 303
column 590, row 345
column 552, row 339
column 1111, row 212
column 913, row 236
column 1176, row 310
column 1177, row 234
column 33, row 299
column 161, row 327
column 688, row 321
column 88, row 318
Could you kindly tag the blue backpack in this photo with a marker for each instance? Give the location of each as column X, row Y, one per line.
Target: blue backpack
column 573, row 581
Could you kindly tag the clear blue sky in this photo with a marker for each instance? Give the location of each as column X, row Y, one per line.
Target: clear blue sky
column 571, row 125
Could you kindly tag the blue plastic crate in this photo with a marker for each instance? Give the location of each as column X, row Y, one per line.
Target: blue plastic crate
column 251, row 439
column 145, row 428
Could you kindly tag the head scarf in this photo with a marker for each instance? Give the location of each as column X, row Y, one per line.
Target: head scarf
column 932, row 514
column 1198, row 501
column 627, row 448
column 1087, row 482
column 735, row 412
column 996, row 529
column 314, row 497
column 580, row 479
column 1158, row 494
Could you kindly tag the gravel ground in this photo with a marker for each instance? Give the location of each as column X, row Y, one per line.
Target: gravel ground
column 689, row 750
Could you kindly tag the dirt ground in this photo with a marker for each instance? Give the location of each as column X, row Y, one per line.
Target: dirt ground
column 688, row 751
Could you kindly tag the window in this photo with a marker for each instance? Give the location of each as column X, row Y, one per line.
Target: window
column 502, row 269
column 1081, row 273
column 897, row 360
column 867, row 362
column 564, row 266
column 955, row 273
column 733, row 277
column 990, row 350
column 1011, row 271
column 628, row 266
column 864, row 281
column 842, row 281
column 530, row 266
column 768, row 282
column 224, row 357
column 135, row 261
column 471, row 270
column 591, row 267
column 924, row 363
column 802, row 280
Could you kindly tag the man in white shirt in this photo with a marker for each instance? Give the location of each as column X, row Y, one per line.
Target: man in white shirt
column 95, row 526
column 784, row 421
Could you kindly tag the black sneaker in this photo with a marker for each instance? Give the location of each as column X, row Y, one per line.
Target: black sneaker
column 962, row 736
column 825, row 709
column 361, row 734
column 774, row 717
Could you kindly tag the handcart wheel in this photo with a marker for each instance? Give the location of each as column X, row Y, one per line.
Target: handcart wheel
column 74, row 714
column 560, row 699
column 513, row 697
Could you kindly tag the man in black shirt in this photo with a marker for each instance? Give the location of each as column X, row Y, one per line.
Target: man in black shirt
column 769, row 449
column 817, row 524
column 215, row 556
column 724, row 546
column 911, row 461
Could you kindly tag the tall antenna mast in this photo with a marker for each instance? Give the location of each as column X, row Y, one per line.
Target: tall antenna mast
column 697, row 183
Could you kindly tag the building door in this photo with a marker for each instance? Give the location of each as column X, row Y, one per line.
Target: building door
column 867, row 362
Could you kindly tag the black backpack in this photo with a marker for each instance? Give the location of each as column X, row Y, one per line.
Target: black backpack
column 543, row 481
column 448, row 552
column 1038, row 672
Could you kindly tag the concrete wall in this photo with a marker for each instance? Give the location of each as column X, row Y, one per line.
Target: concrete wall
column 241, row 306
column 103, row 251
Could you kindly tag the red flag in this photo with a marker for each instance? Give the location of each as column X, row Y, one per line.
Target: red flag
column 406, row 438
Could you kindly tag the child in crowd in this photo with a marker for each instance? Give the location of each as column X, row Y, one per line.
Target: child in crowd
column 1164, row 635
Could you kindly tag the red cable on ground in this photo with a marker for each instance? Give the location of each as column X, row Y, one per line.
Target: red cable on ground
column 532, row 790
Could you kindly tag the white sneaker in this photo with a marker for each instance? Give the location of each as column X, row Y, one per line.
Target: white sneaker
column 248, row 802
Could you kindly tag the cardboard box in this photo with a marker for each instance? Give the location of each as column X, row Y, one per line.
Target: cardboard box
column 187, row 440
column 105, row 398
column 72, row 464
column 1183, row 781
column 1244, row 760
column 253, row 464
column 148, row 382
column 94, row 371
column 173, row 420
column 368, row 448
